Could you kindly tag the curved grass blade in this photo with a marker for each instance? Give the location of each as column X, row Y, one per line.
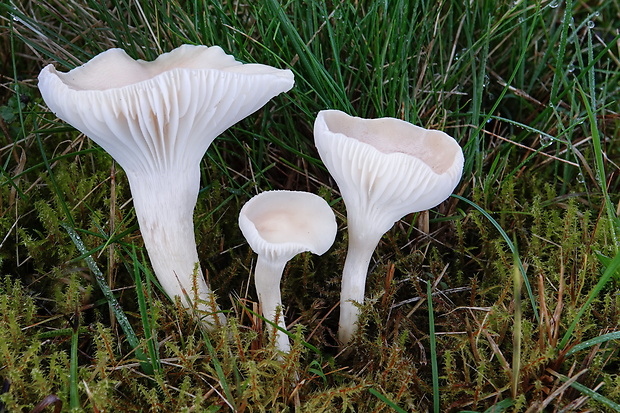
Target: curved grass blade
column 513, row 249
column 592, row 342
column 133, row 340
column 221, row 376
column 387, row 401
column 590, row 393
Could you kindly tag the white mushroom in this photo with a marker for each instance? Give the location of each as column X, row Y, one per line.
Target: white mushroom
column 157, row 119
column 385, row 169
column 279, row 225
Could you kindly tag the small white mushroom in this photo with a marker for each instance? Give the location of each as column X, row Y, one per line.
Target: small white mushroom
column 157, row 119
column 279, row 225
column 385, row 169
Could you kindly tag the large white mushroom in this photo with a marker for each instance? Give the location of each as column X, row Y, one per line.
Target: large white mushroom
column 279, row 225
column 157, row 119
column 385, row 169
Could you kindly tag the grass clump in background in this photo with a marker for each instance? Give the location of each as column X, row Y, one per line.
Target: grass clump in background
column 529, row 90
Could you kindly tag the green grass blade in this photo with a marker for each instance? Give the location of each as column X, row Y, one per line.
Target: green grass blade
column 477, row 159
column 501, row 406
column 591, row 393
column 433, row 350
column 513, row 249
column 593, row 342
column 20, row 112
column 3, row 169
column 496, row 408
column 221, row 376
column 61, row 332
column 559, row 64
column 74, row 398
column 516, row 333
column 130, row 335
column 321, row 80
column 145, row 316
column 52, row 177
column 612, row 269
column 387, row 401
column 600, row 166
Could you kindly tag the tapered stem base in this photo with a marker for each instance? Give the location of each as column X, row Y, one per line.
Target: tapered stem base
column 355, row 271
column 267, row 276
column 164, row 204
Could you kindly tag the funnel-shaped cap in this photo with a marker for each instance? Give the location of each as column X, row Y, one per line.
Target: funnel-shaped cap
column 386, row 168
column 154, row 115
column 281, row 224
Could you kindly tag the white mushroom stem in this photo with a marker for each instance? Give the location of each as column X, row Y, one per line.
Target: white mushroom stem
column 164, row 204
column 359, row 253
column 267, row 276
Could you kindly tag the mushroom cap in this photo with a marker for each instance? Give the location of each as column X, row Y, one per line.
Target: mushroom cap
column 387, row 168
column 281, row 224
column 150, row 115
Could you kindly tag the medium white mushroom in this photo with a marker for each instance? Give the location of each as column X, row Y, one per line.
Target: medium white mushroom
column 279, row 225
column 385, row 169
column 157, row 119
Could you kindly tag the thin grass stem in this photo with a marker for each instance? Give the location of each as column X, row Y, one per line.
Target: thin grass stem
column 433, row 349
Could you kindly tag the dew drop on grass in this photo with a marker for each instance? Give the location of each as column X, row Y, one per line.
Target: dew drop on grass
column 590, row 24
column 554, row 4
column 580, row 178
